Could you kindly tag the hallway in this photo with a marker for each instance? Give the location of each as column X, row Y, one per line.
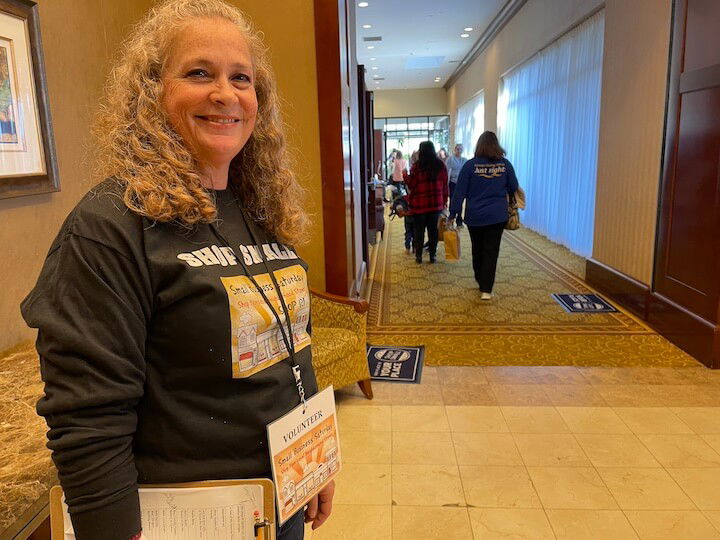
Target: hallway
column 439, row 306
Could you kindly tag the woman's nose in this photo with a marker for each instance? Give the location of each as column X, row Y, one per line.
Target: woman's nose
column 222, row 92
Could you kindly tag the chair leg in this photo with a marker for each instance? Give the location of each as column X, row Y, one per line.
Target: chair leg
column 366, row 388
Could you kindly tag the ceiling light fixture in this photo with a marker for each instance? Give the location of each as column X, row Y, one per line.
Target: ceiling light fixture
column 367, row 26
column 371, row 47
column 363, row 4
column 372, row 59
column 374, row 67
column 468, row 29
column 464, row 35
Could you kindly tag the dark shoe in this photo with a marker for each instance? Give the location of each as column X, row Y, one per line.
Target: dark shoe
column 432, row 260
column 418, row 260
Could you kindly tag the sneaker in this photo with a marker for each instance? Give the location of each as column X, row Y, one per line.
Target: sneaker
column 485, row 296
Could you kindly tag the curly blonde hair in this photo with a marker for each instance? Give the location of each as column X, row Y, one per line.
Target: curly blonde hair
column 138, row 146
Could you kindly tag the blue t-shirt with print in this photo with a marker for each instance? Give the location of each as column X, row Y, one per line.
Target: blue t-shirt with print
column 484, row 183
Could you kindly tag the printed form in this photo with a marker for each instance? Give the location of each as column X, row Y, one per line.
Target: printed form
column 209, row 513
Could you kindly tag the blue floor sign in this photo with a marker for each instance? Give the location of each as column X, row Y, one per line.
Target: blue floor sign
column 395, row 364
column 584, row 303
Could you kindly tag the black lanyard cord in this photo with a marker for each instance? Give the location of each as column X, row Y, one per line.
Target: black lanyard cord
column 257, row 286
column 288, row 338
column 275, row 284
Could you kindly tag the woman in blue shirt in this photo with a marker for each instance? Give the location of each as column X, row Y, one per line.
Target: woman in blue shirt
column 485, row 182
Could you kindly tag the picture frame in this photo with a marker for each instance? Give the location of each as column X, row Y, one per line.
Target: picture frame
column 28, row 162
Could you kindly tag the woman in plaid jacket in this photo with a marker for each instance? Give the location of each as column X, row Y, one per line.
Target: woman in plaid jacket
column 428, row 186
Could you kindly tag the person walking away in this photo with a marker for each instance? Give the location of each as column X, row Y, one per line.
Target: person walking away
column 443, row 155
column 454, row 164
column 399, row 168
column 428, row 185
column 484, row 184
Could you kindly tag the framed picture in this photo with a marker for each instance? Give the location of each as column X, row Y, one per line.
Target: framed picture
column 28, row 164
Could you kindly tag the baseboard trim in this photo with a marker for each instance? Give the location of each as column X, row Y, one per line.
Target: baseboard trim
column 693, row 334
column 628, row 292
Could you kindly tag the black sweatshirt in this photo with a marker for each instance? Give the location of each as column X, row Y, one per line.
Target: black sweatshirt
column 160, row 360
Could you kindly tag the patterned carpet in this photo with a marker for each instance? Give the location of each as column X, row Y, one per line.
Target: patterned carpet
column 439, row 306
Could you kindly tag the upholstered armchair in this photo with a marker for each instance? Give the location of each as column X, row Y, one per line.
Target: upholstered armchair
column 338, row 337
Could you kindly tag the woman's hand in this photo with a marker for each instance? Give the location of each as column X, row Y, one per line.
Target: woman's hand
column 320, row 506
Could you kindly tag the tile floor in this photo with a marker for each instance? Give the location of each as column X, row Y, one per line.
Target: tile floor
column 546, row 452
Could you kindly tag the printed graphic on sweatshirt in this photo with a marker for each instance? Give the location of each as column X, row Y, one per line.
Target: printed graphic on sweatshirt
column 490, row 170
column 257, row 341
column 226, row 256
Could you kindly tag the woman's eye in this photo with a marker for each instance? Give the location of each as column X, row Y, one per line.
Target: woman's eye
column 197, row 73
column 241, row 77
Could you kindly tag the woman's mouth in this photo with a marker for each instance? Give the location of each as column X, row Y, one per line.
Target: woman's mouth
column 220, row 120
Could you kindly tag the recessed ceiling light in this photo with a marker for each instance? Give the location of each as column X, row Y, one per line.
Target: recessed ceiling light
column 366, row 26
column 372, row 59
column 374, row 67
column 371, row 47
column 464, row 35
column 468, row 29
column 363, row 4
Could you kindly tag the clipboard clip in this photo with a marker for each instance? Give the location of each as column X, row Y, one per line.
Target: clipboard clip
column 263, row 525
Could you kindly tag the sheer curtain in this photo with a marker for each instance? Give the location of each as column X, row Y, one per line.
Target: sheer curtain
column 470, row 123
column 548, row 122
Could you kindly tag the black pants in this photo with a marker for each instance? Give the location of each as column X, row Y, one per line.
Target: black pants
column 409, row 230
column 485, row 242
column 294, row 528
column 459, row 219
column 427, row 221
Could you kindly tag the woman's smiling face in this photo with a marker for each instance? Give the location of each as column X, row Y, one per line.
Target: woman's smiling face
column 209, row 90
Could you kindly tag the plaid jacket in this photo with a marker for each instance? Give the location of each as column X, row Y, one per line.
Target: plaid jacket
column 426, row 194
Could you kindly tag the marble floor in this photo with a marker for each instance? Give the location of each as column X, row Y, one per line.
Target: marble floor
column 531, row 452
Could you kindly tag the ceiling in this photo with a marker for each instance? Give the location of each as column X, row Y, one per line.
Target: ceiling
column 420, row 39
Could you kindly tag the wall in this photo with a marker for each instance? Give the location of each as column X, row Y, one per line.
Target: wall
column 290, row 35
column 637, row 36
column 532, row 28
column 79, row 38
column 415, row 102
column 631, row 117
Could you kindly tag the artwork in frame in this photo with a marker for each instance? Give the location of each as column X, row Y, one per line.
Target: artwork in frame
column 28, row 163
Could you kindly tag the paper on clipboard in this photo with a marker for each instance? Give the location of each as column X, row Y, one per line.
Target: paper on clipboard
column 213, row 513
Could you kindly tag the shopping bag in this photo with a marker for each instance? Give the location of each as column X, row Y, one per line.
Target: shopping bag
column 452, row 244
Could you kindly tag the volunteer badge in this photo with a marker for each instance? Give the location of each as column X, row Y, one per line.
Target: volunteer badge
column 304, row 452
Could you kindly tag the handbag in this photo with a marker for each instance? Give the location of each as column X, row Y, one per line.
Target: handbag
column 513, row 222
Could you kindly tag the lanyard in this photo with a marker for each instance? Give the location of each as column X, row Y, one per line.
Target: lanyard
column 287, row 333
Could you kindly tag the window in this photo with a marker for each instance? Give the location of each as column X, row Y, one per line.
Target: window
column 548, row 122
column 406, row 134
column 470, row 123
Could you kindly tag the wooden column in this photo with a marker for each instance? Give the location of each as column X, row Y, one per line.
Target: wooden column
column 343, row 190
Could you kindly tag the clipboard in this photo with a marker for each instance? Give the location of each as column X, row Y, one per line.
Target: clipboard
column 264, row 526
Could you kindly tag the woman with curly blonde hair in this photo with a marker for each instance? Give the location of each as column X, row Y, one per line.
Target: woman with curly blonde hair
column 172, row 310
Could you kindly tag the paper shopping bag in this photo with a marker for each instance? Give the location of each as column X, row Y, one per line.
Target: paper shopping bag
column 452, row 244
